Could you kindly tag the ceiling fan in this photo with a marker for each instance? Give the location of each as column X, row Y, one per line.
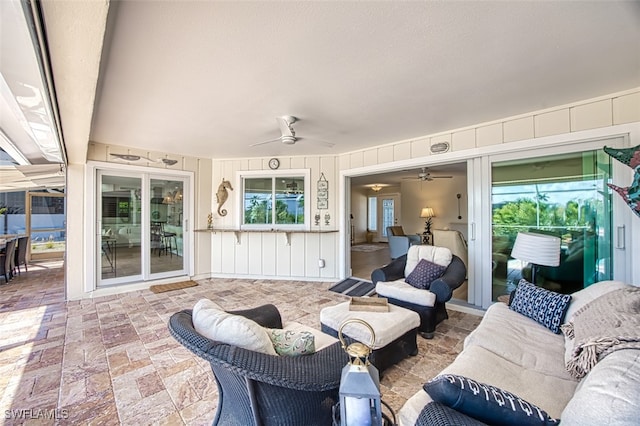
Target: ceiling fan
column 425, row 176
column 288, row 135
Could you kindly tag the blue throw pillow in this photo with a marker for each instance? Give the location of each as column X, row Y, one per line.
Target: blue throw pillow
column 424, row 274
column 543, row 306
column 484, row 402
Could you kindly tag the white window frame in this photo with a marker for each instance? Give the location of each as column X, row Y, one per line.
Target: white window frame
column 254, row 174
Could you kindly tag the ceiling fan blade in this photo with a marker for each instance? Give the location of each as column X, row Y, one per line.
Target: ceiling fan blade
column 441, row 177
column 266, row 142
column 317, row 141
column 411, row 178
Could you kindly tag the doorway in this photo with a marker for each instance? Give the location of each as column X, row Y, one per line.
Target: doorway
column 140, row 225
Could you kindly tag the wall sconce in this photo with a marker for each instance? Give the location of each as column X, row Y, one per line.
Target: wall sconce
column 376, row 188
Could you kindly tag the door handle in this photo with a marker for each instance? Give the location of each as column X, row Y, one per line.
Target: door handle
column 620, row 237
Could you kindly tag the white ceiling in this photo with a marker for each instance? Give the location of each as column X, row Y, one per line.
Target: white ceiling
column 208, row 78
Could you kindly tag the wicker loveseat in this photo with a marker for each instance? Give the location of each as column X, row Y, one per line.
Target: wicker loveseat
column 260, row 389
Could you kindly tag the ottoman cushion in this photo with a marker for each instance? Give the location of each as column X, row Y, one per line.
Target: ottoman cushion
column 388, row 326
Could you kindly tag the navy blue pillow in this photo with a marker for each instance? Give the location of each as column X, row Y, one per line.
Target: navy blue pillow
column 484, row 402
column 543, row 306
column 424, row 274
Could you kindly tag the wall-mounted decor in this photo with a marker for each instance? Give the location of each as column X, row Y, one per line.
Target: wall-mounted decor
column 323, row 192
column 222, row 195
column 631, row 158
column 458, row 197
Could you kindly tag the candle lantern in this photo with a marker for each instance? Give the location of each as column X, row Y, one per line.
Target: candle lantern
column 360, row 403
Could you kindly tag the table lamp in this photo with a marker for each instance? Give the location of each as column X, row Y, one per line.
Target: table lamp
column 536, row 249
column 427, row 212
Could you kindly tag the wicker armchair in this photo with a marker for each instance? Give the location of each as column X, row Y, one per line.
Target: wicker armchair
column 259, row 389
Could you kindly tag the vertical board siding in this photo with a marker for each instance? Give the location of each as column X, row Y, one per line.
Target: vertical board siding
column 266, row 254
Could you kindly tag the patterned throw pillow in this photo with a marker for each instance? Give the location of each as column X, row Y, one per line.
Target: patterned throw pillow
column 543, row 306
column 291, row 343
column 484, row 402
column 424, row 274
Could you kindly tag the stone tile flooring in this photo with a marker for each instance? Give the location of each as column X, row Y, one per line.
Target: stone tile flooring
column 111, row 360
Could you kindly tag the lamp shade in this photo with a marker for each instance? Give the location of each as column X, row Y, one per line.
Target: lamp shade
column 539, row 249
column 427, row 212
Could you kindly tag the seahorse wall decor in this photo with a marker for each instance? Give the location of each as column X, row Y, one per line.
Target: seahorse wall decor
column 629, row 157
column 222, row 195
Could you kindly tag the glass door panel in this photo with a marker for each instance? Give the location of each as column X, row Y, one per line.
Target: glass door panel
column 120, row 207
column 563, row 195
column 389, row 212
column 46, row 225
column 166, row 207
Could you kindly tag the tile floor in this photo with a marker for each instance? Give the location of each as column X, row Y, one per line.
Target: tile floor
column 111, row 360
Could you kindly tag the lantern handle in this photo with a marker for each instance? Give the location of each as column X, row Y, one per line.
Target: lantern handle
column 359, row 321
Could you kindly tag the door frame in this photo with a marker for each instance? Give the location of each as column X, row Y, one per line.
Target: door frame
column 92, row 224
column 478, row 189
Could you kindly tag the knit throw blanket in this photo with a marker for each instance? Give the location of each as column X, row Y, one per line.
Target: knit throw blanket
column 607, row 324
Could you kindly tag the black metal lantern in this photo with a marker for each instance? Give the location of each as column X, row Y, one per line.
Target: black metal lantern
column 360, row 403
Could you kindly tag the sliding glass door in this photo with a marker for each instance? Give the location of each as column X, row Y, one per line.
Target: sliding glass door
column 564, row 195
column 140, row 226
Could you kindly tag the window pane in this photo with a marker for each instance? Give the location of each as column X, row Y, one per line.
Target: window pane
column 257, row 200
column 289, row 200
column 372, row 222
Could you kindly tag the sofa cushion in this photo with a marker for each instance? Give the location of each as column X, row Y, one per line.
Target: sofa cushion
column 400, row 290
column 292, row 343
column 424, row 273
column 236, row 330
column 608, row 395
column 543, row 306
column 485, row 402
column 521, row 340
column 438, row 255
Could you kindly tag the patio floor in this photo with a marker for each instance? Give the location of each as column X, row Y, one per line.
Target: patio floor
column 111, row 360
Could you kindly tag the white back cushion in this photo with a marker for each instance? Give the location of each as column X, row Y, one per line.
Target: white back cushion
column 236, row 330
column 438, row 255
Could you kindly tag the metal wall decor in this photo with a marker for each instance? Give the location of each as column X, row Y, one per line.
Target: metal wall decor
column 323, row 193
column 222, row 195
column 630, row 157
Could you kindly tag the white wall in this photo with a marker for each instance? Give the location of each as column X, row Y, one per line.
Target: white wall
column 219, row 255
column 260, row 254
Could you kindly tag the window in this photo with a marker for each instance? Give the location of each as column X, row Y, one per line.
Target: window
column 372, row 213
column 275, row 200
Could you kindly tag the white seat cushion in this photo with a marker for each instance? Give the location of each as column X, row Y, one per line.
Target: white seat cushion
column 400, row 290
column 388, row 326
column 220, row 326
column 438, row 255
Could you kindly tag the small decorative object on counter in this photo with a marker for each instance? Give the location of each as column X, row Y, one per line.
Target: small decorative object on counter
column 327, row 218
column 317, row 219
column 210, row 221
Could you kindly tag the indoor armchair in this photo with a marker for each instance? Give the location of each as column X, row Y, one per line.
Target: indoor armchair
column 399, row 243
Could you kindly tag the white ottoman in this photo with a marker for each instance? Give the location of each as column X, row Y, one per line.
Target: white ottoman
column 395, row 331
